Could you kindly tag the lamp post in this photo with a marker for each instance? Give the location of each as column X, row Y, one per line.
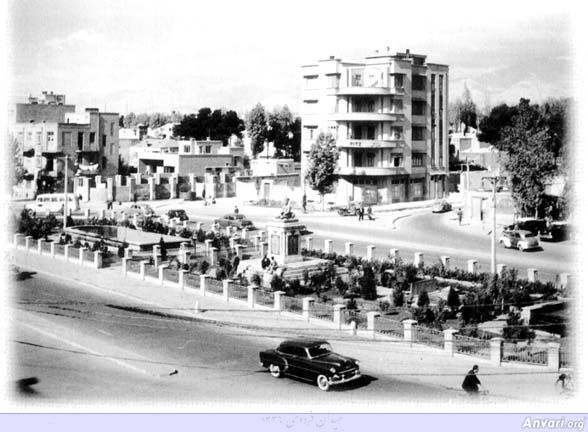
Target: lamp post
column 494, row 180
column 65, row 192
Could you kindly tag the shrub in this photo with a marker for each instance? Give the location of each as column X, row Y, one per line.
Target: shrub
column 204, row 266
column 185, row 233
column 200, row 236
column 398, row 297
column 367, row 284
column 423, row 299
column 277, row 283
column 256, row 279
column 340, row 285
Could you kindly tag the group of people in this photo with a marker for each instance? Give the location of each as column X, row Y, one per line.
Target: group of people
column 361, row 212
column 98, row 246
column 270, row 265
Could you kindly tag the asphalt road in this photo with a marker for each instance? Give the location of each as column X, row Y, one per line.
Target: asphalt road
column 85, row 348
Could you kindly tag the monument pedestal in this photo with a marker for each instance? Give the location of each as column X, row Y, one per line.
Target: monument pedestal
column 284, row 238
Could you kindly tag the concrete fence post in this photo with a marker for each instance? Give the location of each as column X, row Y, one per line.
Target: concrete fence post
column 98, row 260
column 371, row 323
column 251, row 295
column 229, row 231
column 306, row 306
column 160, row 270
column 102, row 214
column 338, row 316
column 445, row 262
column 418, row 259
column 449, row 340
column 66, row 252
column 553, row 356
column 124, row 266
column 564, row 280
column 28, row 242
column 203, row 285
column 40, row 246
column 532, row 275
column 232, row 242
column 142, row 266
column 496, row 345
column 349, row 248
column 207, row 245
column 473, row 266
column 17, row 238
column 264, row 248
column 156, row 253
column 309, row 243
column 226, row 290
column 353, row 329
column 239, row 251
column 244, row 234
column 328, row 246
column 81, row 255
column 213, row 256
column 128, row 252
column 87, row 213
column 370, row 252
column 197, row 308
column 52, row 249
column 409, row 334
column 278, row 296
column 394, row 254
column 182, row 278
column 500, row 268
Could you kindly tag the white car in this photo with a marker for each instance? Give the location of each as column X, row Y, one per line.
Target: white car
column 519, row 239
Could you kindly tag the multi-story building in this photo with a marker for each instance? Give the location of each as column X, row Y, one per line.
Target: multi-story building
column 48, row 131
column 388, row 115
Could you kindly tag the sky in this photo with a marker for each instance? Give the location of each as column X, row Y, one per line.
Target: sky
column 147, row 56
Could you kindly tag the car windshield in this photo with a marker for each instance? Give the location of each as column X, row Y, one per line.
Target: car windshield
column 319, row 350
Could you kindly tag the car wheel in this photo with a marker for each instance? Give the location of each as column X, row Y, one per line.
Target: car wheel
column 275, row 371
column 323, row 383
column 520, row 247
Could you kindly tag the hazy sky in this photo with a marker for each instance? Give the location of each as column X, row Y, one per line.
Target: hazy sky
column 146, row 55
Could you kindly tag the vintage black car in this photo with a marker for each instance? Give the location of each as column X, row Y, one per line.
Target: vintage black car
column 312, row 360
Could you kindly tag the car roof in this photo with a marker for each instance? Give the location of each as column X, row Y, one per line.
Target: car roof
column 523, row 232
column 303, row 342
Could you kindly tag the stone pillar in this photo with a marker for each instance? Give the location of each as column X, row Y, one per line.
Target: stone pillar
column 564, row 279
column 192, row 181
column 445, row 262
column 142, row 265
column 97, row 260
column 66, row 252
column 496, row 350
column 251, row 295
column 473, row 266
column 418, row 259
column 118, row 180
column 553, row 356
column 306, row 305
column 110, row 188
column 102, row 214
column 98, row 180
column 40, row 246
column 500, row 268
column 182, row 278
column 449, row 345
column 173, row 189
column 394, row 254
column 226, row 290
column 532, row 275
column 124, row 266
column 161, row 269
column 17, row 238
column 244, row 234
column 229, row 231
column 157, row 178
column 309, row 243
column 207, row 246
column 232, row 242
column 203, row 285
column 156, row 253
column 239, row 251
column 353, row 329
column 349, row 248
column 212, row 256
column 264, row 249
column 198, row 226
column 28, row 242
column 409, row 335
column 81, row 255
column 52, row 249
column 338, row 317
column 371, row 322
column 370, row 253
column 87, row 213
column 151, row 185
column 278, row 300
column 128, row 252
column 328, row 246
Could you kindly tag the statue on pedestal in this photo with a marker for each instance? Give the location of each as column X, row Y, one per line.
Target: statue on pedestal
column 286, row 210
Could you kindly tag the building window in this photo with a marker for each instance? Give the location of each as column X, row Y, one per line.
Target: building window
column 417, row 188
column 104, row 161
column 66, row 138
column 92, row 137
column 168, row 169
column 356, row 77
column 357, row 159
column 111, row 129
column 418, row 107
column 207, row 149
column 80, row 140
column 418, row 133
column 103, row 140
column 371, row 132
column 50, row 137
column 310, row 82
column 371, row 158
column 395, row 161
column 309, row 132
column 417, row 160
column 419, row 82
column 38, row 137
column 396, row 132
column 398, row 81
column 333, row 81
column 396, row 106
column 186, row 149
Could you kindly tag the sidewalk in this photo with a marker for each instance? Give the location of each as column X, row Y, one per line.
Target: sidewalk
column 385, row 356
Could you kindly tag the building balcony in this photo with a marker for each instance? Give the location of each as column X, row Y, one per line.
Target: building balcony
column 371, row 171
column 89, row 149
column 420, row 170
column 366, row 116
column 419, row 94
column 350, row 91
column 368, row 144
column 419, row 119
column 419, row 146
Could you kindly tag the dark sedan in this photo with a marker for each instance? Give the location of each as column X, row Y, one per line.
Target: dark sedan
column 311, row 360
column 236, row 220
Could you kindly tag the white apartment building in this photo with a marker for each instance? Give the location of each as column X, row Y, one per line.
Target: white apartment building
column 388, row 115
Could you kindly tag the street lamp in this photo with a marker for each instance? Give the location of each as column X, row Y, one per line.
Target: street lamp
column 65, row 191
column 494, row 180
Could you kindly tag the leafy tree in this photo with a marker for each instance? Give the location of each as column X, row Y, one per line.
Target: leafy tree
column 367, row 284
column 283, row 131
column 515, row 328
column 423, row 299
column 256, row 123
column 323, row 157
column 398, row 296
column 453, row 301
column 121, row 121
column 130, row 120
column 464, row 111
column 499, row 118
column 18, row 171
column 528, row 157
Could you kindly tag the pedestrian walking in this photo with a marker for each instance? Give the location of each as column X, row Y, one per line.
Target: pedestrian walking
column 162, row 249
column 304, row 203
column 471, row 384
column 459, row 215
column 369, row 213
column 361, row 213
column 236, row 210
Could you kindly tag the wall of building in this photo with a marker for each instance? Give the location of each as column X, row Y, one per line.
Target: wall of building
column 42, row 112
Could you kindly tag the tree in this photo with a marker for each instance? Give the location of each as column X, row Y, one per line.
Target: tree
column 256, row 123
column 515, row 328
column 283, row 131
column 130, row 120
column 367, row 284
column 423, row 299
column 323, row 157
column 16, row 153
column 528, row 157
column 453, row 301
column 464, row 111
column 499, row 118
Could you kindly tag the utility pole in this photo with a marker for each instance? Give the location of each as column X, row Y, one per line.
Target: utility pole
column 65, row 194
column 494, row 180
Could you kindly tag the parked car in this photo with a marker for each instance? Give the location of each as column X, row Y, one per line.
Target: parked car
column 520, row 239
column 557, row 231
column 535, row 226
column 234, row 219
column 176, row 215
column 140, row 209
column 441, row 206
column 312, row 360
column 53, row 203
column 348, row 210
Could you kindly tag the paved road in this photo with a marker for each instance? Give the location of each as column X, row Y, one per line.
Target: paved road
column 88, row 348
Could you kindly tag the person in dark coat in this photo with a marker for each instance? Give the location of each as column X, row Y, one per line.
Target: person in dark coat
column 265, row 262
column 162, row 249
column 471, row 384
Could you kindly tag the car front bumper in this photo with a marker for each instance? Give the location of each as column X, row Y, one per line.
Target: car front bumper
column 344, row 377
